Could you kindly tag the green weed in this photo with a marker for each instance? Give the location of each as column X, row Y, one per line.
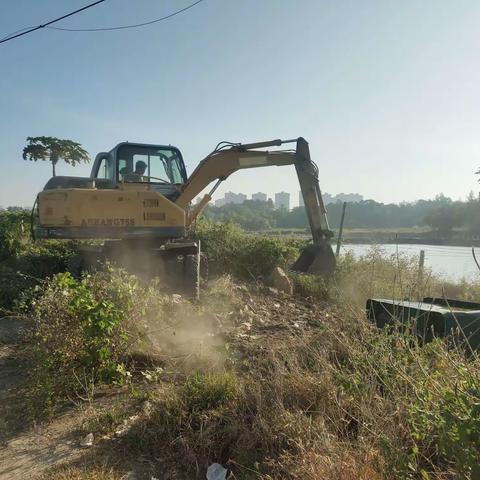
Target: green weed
column 204, row 391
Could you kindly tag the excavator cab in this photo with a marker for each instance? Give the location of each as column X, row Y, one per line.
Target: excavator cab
column 161, row 167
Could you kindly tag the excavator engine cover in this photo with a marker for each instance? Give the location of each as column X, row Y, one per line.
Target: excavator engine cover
column 316, row 259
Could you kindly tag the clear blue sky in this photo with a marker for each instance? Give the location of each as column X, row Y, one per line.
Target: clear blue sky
column 386, row 92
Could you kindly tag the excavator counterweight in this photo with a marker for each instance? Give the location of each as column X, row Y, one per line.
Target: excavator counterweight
column 138, row 197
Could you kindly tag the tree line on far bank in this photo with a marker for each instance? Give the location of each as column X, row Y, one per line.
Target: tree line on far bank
column 441, row 214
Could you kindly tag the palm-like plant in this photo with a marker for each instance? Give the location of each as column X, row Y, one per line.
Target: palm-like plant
column 53, row 149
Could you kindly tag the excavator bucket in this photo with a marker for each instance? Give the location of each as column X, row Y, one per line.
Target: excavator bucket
column 316, row 259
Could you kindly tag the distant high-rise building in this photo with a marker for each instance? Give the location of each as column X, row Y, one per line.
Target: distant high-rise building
column 349, row 197
column 237, row 198
column 342, row 197
column 259, row 196
column 327, row 198
column 282, row 200
column 220, row 202
column 301, row 203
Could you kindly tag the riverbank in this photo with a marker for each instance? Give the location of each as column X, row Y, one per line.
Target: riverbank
column 457, row 238
column 407, row 236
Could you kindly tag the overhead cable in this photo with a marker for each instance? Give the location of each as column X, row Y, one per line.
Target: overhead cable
column 46, row 25
column 123, row 27
column 16, row 31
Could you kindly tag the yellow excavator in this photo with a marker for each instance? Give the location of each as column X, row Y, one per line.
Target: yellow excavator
column 138, row 199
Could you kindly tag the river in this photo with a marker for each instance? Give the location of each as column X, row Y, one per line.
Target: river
column 453, row 263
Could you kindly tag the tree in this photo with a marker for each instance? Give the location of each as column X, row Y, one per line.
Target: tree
column 53, row 149
column 446, row 217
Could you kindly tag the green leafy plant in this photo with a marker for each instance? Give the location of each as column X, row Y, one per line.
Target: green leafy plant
column 13, row 233
column 445, row 425
column 79, row 337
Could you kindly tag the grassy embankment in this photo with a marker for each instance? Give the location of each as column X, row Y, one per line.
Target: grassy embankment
column 269, row 385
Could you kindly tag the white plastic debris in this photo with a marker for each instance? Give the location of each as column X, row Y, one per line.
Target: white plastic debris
column 147, row 407
column 216, row 472
column 87, row 442
column 176, row 298
column 125, row 427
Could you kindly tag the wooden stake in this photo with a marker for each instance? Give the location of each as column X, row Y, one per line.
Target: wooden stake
column 340, row 231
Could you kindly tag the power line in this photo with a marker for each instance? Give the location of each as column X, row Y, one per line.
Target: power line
column 33, row 29
column 16, row 31
column 122, row 27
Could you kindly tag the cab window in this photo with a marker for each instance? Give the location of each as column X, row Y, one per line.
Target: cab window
column 144, row 163
column 105, row 169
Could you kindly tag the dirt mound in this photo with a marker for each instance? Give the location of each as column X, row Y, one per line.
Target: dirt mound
column 268, row 312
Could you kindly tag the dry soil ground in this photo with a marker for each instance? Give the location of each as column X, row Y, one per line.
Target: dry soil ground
column 25, row 450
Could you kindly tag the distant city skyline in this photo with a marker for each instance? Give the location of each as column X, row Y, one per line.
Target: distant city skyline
column 282, row 199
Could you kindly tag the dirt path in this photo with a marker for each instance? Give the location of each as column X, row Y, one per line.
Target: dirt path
column 10, row 375
column 26, row 452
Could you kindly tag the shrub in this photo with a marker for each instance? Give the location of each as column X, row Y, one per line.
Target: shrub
column 29, row 267
column 45, row 258
column 79, row 335
column 445, row 424
column 230, row 250
column 13, row 232
column 25, row 264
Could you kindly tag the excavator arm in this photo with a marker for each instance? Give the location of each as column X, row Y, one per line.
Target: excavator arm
column 317, row 258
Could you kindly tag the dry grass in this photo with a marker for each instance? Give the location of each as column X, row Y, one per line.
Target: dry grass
column 84, row 473
column 379, row 275
column 346, row 402
column 275, row 388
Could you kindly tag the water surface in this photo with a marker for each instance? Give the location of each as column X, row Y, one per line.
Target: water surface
column 454, row 263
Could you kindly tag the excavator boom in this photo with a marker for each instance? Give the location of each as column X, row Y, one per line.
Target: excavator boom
column 221, row 163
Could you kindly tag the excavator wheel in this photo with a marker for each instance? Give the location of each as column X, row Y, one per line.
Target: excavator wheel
column 191, row 275
column 85, row 260
column 75, row 265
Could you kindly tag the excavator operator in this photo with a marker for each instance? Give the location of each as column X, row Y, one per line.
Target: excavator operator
column 137, row 175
